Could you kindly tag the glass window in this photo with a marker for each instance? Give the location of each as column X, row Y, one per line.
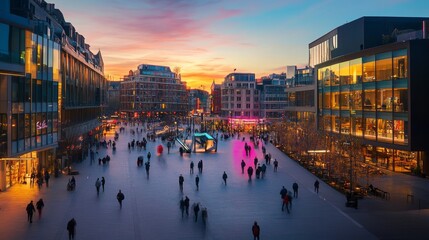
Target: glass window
column 345, row 100
column 356, row 100
column 14, row 128
column 335, row 75
column 326, row 73
column 368, row 69
column 335, row 100
column 369, row 103
column 337, row 124
column 344, row 73
column 345, row 125
column 400, row 100
column 356, row 71
column 356, row 126
column 383, row 66
column 327, row 100
column 370, row 128
column 400, row 64
column 384, row 130
column 399, row 132
column 327, row 121
column 384, row 100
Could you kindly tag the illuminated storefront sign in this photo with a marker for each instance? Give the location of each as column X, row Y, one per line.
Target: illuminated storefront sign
column 41, row 125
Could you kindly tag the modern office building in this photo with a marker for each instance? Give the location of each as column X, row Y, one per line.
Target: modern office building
column 113, row 97
column 300, row 94
column 42, row 67
column 240, row 100
column 273, row 99
column 377, row 92
column 29, row 109
column 153, row 91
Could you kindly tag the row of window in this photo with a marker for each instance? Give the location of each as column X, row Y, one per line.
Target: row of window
column 379, row 67
column 33, row 90
column 238, row 92
column 33, row 142
column 12, row 44
column 371, row 128
column 43, row 58
column 31, row 125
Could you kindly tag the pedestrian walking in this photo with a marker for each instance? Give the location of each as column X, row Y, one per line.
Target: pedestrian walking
column 200, row 166
column 181, row 180
column 30, row 210
column 182, row 206
column 283, row 195
column 148, row 156
column 191, row 167
column 168, row 147
column 243, row 164
column 316, row 186
column 39, row 206
column 32, row 177
column 120, row 196
column 295, row 189
column 204, row 214
column 250, row 172
column 71, row 227
column 97, row 185
column 197, row 182
column 255, row 161
column 103, row 181
column 47, row 177
column 276, row 165
column 187, row 206
column 196, row 207
column 147, row 167
column 224, row 177
column 256, row 230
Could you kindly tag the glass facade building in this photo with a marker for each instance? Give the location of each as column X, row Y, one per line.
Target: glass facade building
column 368, row 95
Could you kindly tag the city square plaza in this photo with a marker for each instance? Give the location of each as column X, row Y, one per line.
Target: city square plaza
column 151, row 206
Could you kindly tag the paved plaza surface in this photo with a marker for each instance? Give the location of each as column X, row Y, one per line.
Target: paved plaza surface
column 151, row 206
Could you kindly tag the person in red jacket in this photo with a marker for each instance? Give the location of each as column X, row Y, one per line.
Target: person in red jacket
column 256, row 230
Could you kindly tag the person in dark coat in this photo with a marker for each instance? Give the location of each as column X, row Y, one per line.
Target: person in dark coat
column 316, row 186
column 30, row 210
column 243, row 164
column 187, row 205
column 103, row 181
column 47, row 177
column 39, row 206
column 224, row 177
column 196, row 207
column 181, row 180
column 295, row 189
column 250, row 172
column 197, row 182
column 71, row 228
column 120, row 196
column 191, row 167
column 256, row 230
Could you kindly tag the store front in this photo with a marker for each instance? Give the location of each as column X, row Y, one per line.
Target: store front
column 391, row 159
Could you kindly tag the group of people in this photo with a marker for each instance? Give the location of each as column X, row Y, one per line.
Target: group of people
column 31, row 209
column 39, row 178
column 196, row 207
column 99, row 184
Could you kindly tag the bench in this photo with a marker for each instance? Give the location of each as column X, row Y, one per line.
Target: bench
column 352, row 201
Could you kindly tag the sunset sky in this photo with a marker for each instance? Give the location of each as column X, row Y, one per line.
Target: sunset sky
column 208, row 39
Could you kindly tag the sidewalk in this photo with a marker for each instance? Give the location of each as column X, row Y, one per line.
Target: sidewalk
column 151, row 206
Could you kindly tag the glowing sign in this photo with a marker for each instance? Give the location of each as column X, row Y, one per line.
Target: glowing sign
column 41, row 125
